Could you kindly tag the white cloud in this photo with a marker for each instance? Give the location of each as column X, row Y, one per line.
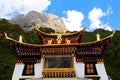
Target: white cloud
column 109, row 11
column 73, row 21
column 95, row 15
column 8, row 8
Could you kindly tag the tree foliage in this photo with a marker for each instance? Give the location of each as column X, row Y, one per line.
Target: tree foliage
column 47, row 30
column 31, row 37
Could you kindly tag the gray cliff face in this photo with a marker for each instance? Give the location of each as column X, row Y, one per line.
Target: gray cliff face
column 41, row 19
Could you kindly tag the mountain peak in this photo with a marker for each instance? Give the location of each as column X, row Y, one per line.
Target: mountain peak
column 41, row 19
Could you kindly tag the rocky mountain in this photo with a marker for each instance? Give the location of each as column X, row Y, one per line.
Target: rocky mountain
column 28, row 21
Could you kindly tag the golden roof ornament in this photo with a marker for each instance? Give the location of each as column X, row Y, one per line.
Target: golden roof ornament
column 98, row 36
column 59, row 38
column 50, row 41
column 60, row 30
column 68, row 41
column 20, row 38
column 6, row 35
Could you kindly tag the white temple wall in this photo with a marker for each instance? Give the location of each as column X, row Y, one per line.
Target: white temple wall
column 101, row 71
column 17, row 71
column 38, row 69
column 79, row 69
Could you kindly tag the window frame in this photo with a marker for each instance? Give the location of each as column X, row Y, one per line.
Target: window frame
column 90, row 69
column 66, row 56
column 28, row 68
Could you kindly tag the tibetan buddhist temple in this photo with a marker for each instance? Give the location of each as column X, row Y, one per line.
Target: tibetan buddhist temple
column 60, row 56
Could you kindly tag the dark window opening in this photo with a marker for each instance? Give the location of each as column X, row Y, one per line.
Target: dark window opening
column 28, row 69
column 90, row 69
column 58, row 62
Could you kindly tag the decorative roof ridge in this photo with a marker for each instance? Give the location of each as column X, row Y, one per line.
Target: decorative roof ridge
column 8, row 38
column 109, row 36
column 38, row 45
column 37, row 29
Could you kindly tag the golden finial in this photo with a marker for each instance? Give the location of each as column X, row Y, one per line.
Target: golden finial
column 68, row 41
column 60, row 30
column 20, row 38
column 59, row 38
column 98, row 36
column 50, row 41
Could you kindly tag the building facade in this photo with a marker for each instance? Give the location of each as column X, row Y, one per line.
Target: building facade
column 60, row 55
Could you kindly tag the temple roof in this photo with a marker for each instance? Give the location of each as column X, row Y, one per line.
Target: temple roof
column 63, row 34
column 45, row 36
column 101, row 41
column 88, row 50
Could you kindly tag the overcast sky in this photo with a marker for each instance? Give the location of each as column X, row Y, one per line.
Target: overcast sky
column 94, row 14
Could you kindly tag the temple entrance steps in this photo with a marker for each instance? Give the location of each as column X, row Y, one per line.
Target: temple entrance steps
column 60, row 79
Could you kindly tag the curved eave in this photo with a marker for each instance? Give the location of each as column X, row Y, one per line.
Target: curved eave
column 104, row 40
column 101, row 40
column 63, row 34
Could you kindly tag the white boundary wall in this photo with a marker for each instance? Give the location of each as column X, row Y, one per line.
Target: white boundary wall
column 17, row 71
column 38, row 69
column 79, row 69
column 101, row 71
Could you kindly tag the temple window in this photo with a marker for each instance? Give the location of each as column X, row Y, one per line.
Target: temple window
column 28, row 69
column 90, row 69
column 58, row 62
